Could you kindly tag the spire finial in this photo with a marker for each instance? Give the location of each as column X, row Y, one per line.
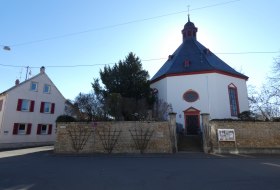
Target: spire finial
column 188, row 13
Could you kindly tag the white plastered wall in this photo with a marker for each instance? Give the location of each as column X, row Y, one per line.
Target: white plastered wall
column 213, row 94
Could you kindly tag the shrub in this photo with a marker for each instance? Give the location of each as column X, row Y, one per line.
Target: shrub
column 246, row 116
column 65, row 118
column 276, row 119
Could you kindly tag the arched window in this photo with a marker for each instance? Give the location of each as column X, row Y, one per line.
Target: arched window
column 190, row 96
column 233, row 100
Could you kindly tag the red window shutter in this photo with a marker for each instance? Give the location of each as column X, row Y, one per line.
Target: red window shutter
column 19, row 104
column 32, row 106
column 42, row 107
column 15, row 130
column 50, row 129
column 28, row 132
column 39, row 129
column 52, row 108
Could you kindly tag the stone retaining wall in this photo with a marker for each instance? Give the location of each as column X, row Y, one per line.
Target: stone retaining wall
column 251, row 137
column 159, row 133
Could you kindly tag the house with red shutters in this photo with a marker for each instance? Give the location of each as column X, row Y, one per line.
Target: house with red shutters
column 28, row 112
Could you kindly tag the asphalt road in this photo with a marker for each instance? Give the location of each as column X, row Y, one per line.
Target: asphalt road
column 40, row 169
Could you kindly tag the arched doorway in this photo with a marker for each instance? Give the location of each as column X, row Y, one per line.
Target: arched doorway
column 192, row 121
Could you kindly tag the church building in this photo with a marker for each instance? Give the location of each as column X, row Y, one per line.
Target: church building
column 195, row 81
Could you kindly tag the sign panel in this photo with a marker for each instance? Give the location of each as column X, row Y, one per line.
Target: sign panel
column 226, row 135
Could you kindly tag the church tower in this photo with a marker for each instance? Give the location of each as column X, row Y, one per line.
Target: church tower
column 189, row 31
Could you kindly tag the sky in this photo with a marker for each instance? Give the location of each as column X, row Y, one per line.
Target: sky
column 75, row 39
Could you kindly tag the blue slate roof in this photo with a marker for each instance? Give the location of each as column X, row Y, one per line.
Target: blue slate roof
column 200, row 60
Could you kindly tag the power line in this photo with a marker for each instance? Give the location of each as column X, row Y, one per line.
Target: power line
column 142, row 60
column 214, row 5
column 11, row 65
column 251, row 52
column 119, row 24
column 69, row 66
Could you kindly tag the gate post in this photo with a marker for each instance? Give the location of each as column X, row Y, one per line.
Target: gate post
column 206, row 133
column 172, row 129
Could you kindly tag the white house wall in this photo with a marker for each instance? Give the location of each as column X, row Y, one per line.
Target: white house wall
column 11, row 115
column 3, row 98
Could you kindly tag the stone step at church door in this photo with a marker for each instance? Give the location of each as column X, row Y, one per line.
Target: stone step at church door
column 190, row 143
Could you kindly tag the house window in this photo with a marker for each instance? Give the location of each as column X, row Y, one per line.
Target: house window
column 47, row 89
column 47, row 107
column 22, row 128
column 25, row 105
column 44, row 129
column 1, row 104
column 190, row 96
column 233, row 100
column 34, row 86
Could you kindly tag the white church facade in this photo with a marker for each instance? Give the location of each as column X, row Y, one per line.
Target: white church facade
column 195, row 81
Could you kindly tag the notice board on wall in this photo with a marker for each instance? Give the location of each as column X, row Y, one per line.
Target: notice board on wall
column 226, row 135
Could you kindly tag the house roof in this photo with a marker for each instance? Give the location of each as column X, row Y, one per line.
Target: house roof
column 20, row 84
column 191, row 57
column 28, row 80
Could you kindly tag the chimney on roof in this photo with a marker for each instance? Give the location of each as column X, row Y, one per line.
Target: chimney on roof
column 17, row 82
column 42, row 69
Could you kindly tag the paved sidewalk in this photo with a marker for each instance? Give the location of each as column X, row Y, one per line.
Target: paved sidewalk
column 19, row 152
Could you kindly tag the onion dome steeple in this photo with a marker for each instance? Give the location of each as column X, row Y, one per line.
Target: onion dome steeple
column 189, row 31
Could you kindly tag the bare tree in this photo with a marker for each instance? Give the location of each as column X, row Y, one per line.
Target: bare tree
column 161, row 110
column 274, row 81
column 86, row 107
column 266, row 101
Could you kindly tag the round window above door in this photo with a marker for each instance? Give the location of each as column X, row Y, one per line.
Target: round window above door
column 190, row 96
